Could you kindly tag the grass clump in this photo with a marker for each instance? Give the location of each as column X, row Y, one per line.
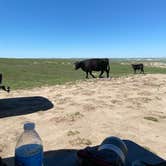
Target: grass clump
column 151, row 118
column 80, row 141
column 75, row 116
column 72, row 133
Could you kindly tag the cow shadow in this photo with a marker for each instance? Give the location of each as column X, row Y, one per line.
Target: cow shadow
column 68, row 157
column 23, row 105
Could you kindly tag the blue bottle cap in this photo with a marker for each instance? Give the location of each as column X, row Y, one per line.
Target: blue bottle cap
column 29, row 126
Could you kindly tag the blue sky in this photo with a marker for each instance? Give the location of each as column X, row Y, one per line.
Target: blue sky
column 82, row 28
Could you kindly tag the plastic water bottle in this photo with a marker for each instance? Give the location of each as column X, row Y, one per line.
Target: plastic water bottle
column 29, row 149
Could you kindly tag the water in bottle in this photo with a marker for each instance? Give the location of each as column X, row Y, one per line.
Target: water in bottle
column 29, row 149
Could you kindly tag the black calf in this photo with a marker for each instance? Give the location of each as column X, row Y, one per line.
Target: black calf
column 138, row 67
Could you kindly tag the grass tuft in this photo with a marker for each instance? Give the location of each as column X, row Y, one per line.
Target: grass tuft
column 80, row 141
column 72, row 133
column 151, row 118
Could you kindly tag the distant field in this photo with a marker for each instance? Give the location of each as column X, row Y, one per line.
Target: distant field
column 28, row 73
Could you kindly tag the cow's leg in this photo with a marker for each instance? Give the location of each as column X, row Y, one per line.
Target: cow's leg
column 101, row 74
column 92, row 74
column 134, row 71
column 86, row 74
column 0, row 78
column 107, row 71
column 3, row 88
column 142, row 70
column 7, row 89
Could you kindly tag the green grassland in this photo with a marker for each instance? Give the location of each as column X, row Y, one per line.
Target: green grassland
column 29, row 73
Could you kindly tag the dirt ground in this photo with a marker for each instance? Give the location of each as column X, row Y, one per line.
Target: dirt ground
column 76, row 115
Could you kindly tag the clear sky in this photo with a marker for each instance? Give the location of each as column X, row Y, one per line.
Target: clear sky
column 82, row 28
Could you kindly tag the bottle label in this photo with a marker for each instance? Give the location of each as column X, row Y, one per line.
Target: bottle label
column 29, row 155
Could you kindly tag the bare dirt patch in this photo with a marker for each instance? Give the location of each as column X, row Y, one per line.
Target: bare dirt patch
column 95, row 108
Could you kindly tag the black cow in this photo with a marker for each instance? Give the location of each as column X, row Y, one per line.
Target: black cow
column 90, row 65
column 139, row 66
column 7, row 89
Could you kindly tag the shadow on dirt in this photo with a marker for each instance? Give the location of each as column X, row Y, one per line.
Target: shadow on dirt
column 23, row 105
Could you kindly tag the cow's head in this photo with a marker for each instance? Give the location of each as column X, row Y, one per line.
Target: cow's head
column 133, row 65
column 77, row 65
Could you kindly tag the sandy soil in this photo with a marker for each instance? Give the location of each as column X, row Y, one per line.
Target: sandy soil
column 87, row 112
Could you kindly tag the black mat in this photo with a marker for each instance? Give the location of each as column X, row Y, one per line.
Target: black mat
column 67, row 157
